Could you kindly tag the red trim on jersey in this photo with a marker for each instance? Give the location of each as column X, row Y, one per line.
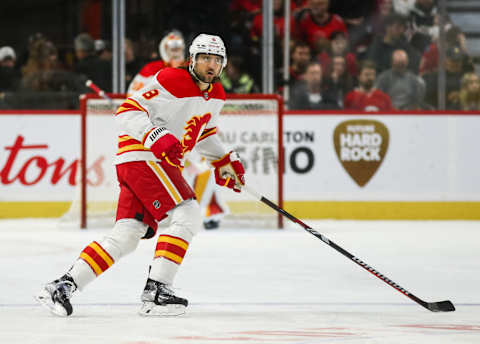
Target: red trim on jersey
column 152, row 68
column 180, row 84
column 206, row 133
column 128, row 142
column 146, row 135
column 129, row 105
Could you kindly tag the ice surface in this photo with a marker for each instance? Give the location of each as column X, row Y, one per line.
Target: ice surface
column 255, row 286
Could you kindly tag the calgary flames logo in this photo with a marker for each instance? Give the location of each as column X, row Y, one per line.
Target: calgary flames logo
column 193, row 130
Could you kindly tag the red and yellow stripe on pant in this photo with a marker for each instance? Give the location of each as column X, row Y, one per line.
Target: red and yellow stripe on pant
column 97, row 258
column 171, row 248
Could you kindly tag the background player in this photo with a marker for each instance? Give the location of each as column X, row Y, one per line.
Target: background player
column 176, row 112
column 172, row 53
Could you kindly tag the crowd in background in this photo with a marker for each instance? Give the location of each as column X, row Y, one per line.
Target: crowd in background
column 367, row 55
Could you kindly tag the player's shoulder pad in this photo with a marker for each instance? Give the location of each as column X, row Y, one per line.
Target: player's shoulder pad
column 151, row 68
column 180, row 84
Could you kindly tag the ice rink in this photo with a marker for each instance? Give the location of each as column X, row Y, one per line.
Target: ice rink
column 255, row 286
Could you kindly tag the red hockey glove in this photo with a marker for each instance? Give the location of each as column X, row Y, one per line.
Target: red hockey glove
column 229, row 171
column 164, row 145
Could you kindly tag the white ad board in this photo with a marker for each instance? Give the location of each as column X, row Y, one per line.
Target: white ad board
column 39, row 156
column 381, row 158
column 329, row 159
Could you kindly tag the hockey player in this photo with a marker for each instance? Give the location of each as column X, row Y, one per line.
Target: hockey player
column 176, row 112
column 198, row 174
column 172, row 53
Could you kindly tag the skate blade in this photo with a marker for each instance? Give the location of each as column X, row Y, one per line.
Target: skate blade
column 150, row 309
column 44, row 298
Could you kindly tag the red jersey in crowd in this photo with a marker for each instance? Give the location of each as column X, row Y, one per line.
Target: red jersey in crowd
column 250, row 6
column 429, row 61
column 373, row 101
column 350, row 60
column 278, row 24
column 309, row 30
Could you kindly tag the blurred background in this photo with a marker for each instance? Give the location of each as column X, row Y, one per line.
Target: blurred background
column 410, row 50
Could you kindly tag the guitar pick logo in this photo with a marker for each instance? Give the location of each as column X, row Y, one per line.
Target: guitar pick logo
column 361, row 146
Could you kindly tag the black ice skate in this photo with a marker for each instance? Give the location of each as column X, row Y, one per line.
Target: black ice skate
column 159, row 300
column 56, row 295
column 211, row 224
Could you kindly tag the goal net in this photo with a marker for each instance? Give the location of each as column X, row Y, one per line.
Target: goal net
column 249, row 124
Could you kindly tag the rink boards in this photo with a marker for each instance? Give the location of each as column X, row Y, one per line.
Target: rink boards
column 357, row 166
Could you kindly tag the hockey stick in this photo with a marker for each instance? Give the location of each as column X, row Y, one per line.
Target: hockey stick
column 441, row 306
column 98, row 90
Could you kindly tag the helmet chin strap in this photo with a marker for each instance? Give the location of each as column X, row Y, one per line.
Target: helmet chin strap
column 196, row 77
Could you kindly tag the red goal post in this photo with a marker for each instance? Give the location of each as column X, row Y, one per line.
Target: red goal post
column 251, row 124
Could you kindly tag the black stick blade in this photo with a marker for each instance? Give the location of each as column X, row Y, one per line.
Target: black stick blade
column 442, row 306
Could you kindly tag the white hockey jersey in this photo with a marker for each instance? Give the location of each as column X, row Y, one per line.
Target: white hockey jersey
column 145, row 76
column 172, row 100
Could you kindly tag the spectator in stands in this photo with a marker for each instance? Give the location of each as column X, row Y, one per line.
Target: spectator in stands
column 453, row 73
column 356, row 14
column 338, row 80
column 470, row 93
column 394, row 38
column 406, row 90
column 241, row 14
column 339, row 46
column 300, row 57
column 132, row 63
column 453, row 37
column 89, row 65
column 278, row 23
column 308, row 94
column 234, row 78
column 403, row 7
column 423, row 18
column 256, row 33
column 316, row 25
column 366, row 97
column 9, row 75
column 41, row 72
column 252, row 7
column 384, row 10
column 374, row 26
column 103, row 49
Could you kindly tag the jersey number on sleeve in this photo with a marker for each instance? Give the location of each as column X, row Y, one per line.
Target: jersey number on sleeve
column 150, row 94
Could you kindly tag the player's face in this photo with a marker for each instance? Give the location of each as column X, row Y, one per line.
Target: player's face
column 176, row 53
column 207, row 67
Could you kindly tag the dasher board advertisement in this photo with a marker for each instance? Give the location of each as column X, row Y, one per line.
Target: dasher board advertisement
column 336, row 166
column 382, row 166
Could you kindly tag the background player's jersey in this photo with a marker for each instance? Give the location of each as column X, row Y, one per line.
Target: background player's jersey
column 171, row 100
column 145, row 76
